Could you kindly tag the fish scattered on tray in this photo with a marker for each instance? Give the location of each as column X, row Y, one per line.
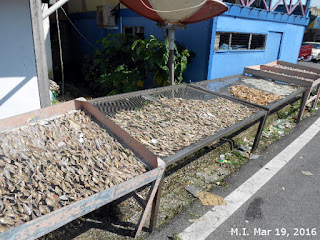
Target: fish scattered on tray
column 254, row 95
column 50, row 164
column 288, row 75
column 269, row 86
column 294, row 69
column 171, row 124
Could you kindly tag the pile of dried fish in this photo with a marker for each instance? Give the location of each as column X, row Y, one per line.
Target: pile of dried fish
column 287, row 75
column 171, row 124
column 271, row 87
column 48, row 165
column 54, row 87
column 254, row 95
column 293, row 69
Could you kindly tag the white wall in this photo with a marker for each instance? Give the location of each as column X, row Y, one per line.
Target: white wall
column 18, row 76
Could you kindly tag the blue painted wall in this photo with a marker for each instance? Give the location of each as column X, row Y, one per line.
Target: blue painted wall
column 283, row 31
column 284, row 36
column 196, row 37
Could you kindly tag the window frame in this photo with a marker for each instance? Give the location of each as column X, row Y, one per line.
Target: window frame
column 135, row 31
column 249, row 43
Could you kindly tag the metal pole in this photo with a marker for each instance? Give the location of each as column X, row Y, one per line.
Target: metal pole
column 60, row 53
column 53, row 8
column 40, row 53
column 171, row 55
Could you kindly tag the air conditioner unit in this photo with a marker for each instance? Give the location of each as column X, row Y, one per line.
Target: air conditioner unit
column 105, row 16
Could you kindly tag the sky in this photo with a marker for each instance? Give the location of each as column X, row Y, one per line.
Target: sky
column 315, row 3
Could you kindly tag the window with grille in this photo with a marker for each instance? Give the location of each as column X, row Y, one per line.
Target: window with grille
column 134, row 30
column 239, row 41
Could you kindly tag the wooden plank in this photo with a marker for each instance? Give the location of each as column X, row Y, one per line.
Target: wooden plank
column 293, row 73
column 296, row 81
column 40, row 53
column 51, row 221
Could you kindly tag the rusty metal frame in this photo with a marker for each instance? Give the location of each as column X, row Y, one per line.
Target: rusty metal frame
column 53, row 220
column 312, row 80
column 270, row 108
column 260, row 116
column 201, row 143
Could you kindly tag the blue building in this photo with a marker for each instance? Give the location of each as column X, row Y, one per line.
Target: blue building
column 223, row 46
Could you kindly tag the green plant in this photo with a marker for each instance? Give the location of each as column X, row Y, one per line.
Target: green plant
column 123, row 62
column 312, row 110
column 239, row 156
column 176, row 237
column 154, row 53
column 111, row 69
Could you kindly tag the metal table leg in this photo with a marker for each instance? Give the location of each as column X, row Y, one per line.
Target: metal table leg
column 304, row 100
column 259, row 133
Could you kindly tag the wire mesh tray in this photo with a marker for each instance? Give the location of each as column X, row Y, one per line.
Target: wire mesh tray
column 257, row 91
column 286, row 72
column 175, row 121
column 62, row 162
column 294, row 74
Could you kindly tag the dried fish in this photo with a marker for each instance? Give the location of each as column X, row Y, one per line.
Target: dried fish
column 254, row 95
column 44, row 166
column 294, row 69
column 170, row 124
column 288, row 75
column 269, row 86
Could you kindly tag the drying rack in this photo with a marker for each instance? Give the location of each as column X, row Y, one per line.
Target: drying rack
column 130, row 101
column 295, row 74
column 51, row 221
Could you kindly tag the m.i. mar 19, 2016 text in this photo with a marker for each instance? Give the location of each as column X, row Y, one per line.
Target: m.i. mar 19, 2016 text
column 276, row 232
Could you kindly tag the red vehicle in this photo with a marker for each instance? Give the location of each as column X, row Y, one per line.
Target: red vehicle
column 305, row 52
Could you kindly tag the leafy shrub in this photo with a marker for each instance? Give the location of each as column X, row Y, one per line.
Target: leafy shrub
column 156, row 54
column 123, row 62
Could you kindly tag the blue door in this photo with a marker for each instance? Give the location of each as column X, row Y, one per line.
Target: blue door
column 273, row 46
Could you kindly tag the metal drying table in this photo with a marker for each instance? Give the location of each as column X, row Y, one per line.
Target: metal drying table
column 130, row 101
column 51, row 221
column 221, row 86
column 295, row 74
